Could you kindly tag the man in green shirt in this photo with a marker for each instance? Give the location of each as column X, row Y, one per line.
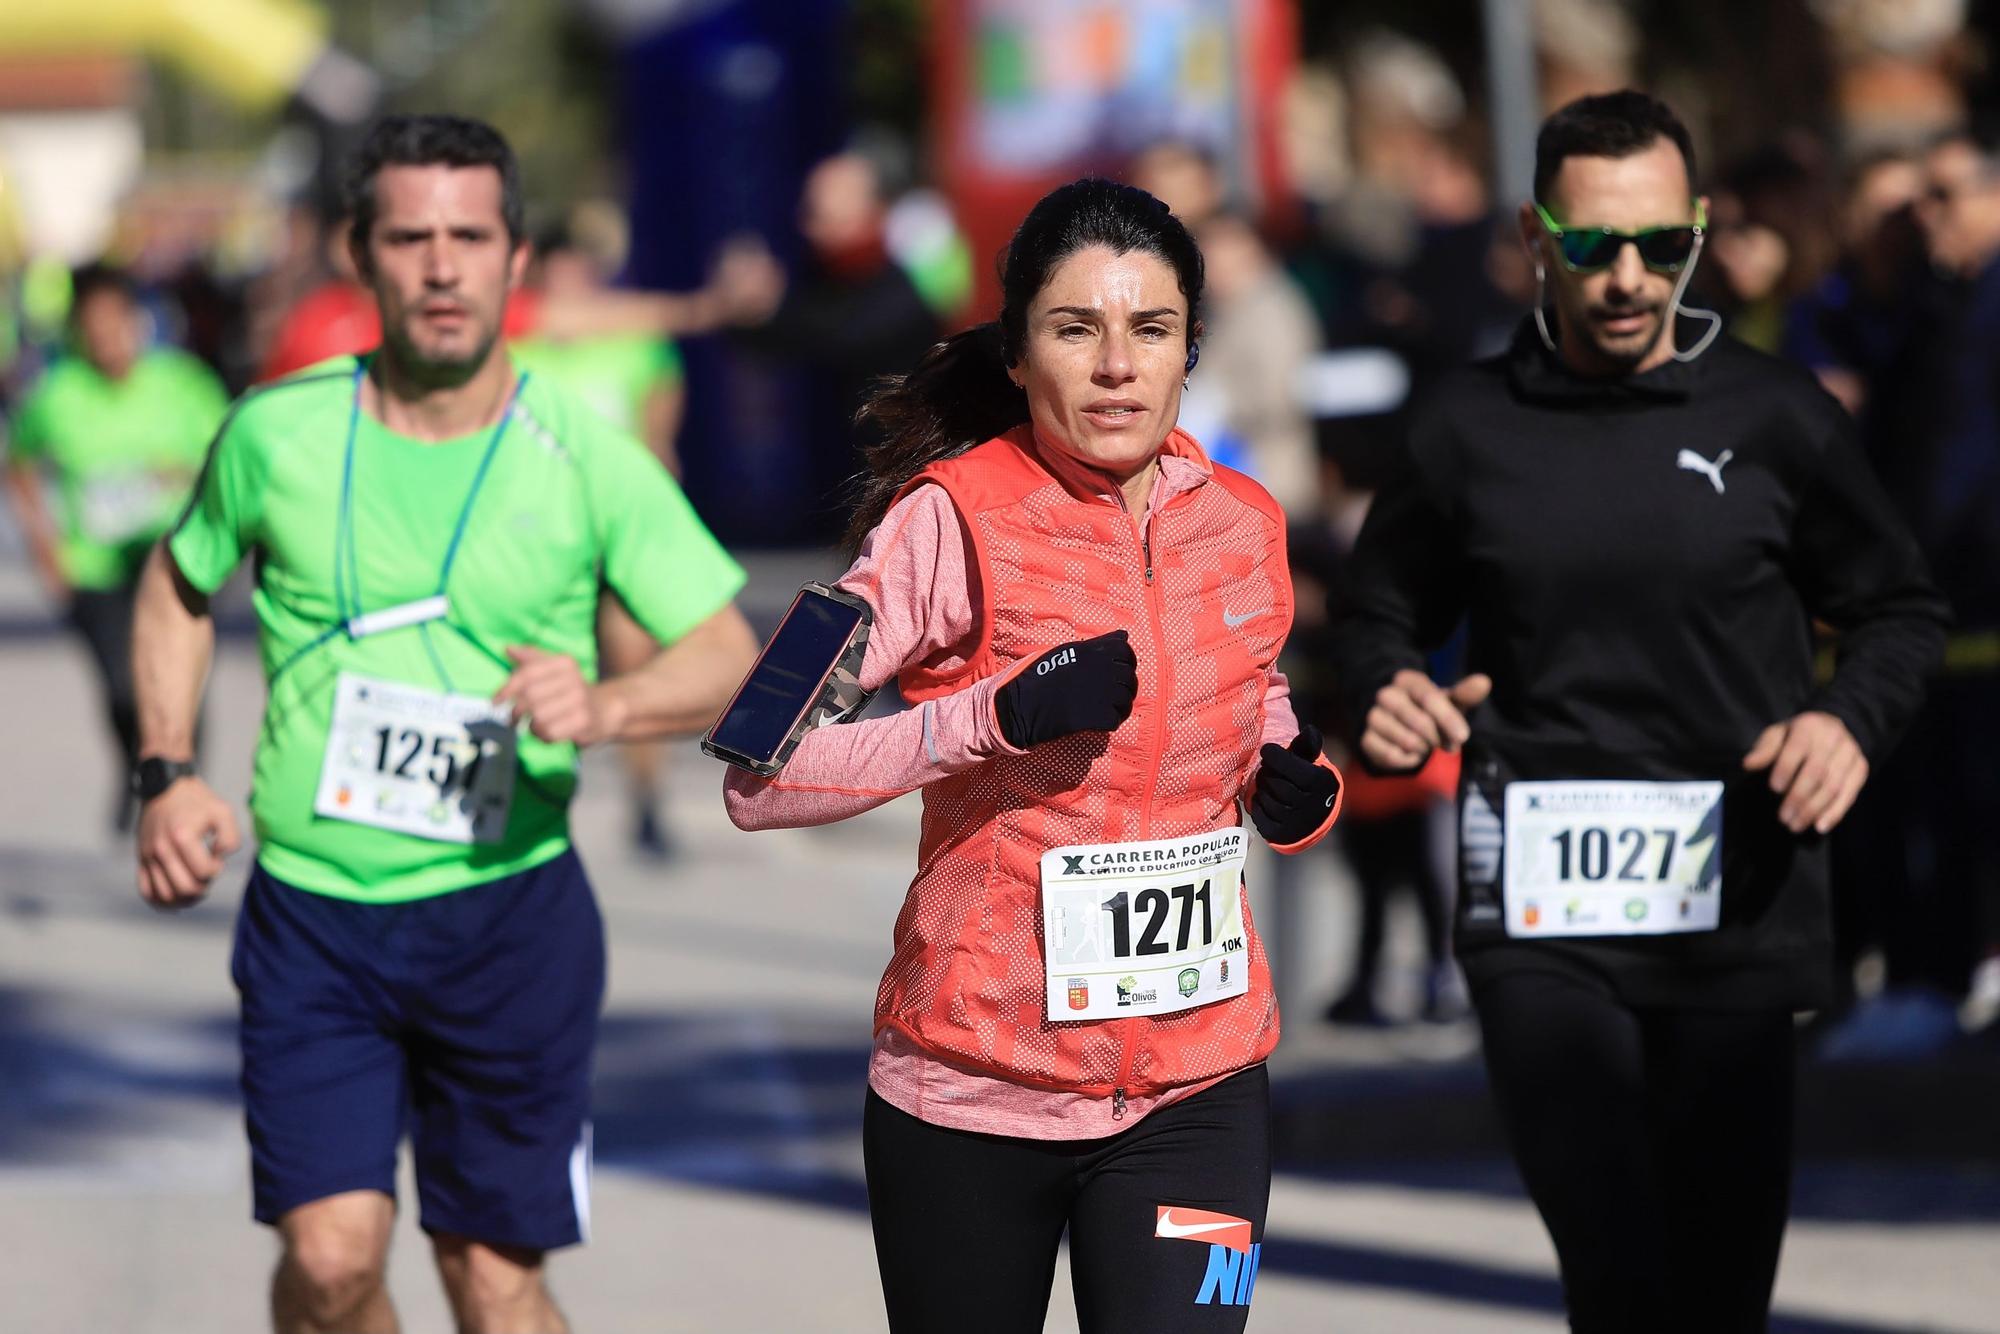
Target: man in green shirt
column 635, row 382
column 114, row 434
column 431, row 529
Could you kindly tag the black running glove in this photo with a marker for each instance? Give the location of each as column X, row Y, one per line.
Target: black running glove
column 1295, row 793
column 1086, row 685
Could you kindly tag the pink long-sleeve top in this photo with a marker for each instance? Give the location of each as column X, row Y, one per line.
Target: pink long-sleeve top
column 913, row 572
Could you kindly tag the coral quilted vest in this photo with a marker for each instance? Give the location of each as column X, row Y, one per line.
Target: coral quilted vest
column 1207, row 600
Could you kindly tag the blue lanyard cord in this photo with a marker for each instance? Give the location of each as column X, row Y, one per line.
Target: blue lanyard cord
column 346, row 561
column 479, row 478
column 347, row 568
column 437, row 663
column 342, row 542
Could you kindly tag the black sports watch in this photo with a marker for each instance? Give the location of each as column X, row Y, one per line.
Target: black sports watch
column 152, row 775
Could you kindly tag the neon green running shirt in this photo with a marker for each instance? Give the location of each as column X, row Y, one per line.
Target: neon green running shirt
column 122, row 455
column 567, row 504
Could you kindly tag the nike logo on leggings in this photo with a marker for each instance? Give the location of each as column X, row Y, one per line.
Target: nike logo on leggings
column 1201, row 1225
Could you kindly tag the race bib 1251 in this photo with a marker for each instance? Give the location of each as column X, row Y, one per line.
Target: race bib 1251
column 417, row 761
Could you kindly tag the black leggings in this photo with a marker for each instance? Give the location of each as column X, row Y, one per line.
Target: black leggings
column 103, row 617
column 1656, row 1143
column 967, row 1226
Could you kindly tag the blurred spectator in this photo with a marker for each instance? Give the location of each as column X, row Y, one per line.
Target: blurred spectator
column 1747, row 260
column 1921, row 867
column 1183, row 176
column 1896, row 68
column 853, row 314
column 634, row 381
column 1395, row 834
column 1771, row 237
column 1856, row 320
column 1960, row 212
column 1411, row 254
column 1391, row 838
column 1459, row 305
column 330, row 314
column 1960, row 206
column 333, row 314
column 306, row 251
column 116, row 432
column 1259, row 333
column 1858, row 330
column 1584, row 46
column 1243, row 403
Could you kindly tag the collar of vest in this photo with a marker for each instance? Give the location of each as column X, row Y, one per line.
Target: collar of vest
column 1011, row 466
column 1004, row 471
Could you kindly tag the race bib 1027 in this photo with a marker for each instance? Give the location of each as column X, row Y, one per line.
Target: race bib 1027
column 1612, row 858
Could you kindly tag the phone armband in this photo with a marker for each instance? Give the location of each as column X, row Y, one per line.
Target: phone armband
column 808, row 676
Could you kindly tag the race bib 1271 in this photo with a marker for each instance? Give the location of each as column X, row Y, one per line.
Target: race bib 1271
column 1144, row 928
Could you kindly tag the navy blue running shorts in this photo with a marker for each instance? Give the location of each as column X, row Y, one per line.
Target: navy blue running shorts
column 466, row 1020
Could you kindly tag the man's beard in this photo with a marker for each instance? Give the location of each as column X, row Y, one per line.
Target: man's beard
column 437, row 372
column 1628, row 350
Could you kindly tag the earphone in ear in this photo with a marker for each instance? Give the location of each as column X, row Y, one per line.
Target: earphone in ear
column 1541, row 300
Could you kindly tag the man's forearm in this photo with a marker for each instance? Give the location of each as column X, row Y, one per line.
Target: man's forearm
column 661, row 314
column 173, row 642
column 681, row 689
column 38, row 528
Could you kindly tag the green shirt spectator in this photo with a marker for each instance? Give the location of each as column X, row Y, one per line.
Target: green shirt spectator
column 616, row 374
column 120, row 452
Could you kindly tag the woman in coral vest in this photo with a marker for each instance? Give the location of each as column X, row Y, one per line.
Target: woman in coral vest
column 1085, row 612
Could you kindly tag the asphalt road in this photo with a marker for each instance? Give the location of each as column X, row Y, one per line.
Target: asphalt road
column 728, row 1193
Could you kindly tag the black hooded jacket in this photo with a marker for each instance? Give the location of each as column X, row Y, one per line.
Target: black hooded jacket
column 1640, row 562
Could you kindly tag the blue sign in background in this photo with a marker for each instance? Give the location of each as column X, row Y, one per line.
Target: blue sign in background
column 725, row 113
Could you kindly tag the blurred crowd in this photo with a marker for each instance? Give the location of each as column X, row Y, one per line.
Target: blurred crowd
column 1869, row 251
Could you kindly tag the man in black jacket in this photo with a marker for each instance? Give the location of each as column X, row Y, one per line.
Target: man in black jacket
column 1641, row 524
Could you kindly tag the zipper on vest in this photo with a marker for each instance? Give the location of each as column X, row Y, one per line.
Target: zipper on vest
column 1145, row 531
column 1162, row 681
column 1129, row 1029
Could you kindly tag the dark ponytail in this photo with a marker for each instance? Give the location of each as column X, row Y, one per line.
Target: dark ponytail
column 957, row 397
column 959, row 394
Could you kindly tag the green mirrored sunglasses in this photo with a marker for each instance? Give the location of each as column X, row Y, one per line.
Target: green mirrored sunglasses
column 1589, row 249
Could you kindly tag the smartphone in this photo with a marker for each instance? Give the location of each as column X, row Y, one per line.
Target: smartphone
column 793, row 686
